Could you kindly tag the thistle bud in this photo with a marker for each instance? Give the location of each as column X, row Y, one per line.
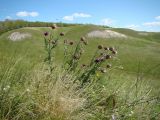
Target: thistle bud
column 111, row 48
column 97, row 60
column 100, row 46
column 106, row 48
column 103, row 70
column 71, row 43
column 46, row 34
column 108, row 57
column 114, row 52
column 61, row 34
column 108, row 66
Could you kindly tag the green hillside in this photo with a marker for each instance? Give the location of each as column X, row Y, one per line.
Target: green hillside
column 138, row 58
column 131, row 51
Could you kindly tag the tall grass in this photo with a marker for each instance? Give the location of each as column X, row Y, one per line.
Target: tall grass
column 74, row 92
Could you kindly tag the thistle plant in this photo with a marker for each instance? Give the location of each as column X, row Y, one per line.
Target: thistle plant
column 71, row 61
column 51, row 41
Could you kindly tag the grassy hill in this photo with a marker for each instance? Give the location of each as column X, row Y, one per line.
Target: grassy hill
column 138, row 54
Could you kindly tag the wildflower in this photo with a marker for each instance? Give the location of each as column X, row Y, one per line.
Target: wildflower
column 46, row 34
column 61, row 34
column 108, row 57
column 108, row 65
column 103, row 70
column 114, row 52
column 76, row 57
column 71, row 43
column 97, row 60
column 100, row 46
column 54, row 26
column 102, row 59
column 106, row 48
column 111, row 48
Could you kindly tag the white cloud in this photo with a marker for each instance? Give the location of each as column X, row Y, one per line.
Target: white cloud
column 157, row 18
column 107, row 21
column 8, row 17
column 68, row 18
column 76, row 15
column 152, row 24
column 26, row 14
column 132, row 26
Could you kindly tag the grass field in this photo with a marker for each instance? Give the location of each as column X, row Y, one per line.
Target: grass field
column 138, row 58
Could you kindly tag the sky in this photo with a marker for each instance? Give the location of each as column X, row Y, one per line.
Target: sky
column 143, row 15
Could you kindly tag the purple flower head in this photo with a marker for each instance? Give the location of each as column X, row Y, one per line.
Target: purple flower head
column 46, row 34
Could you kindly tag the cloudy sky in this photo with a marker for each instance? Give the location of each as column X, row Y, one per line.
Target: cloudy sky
column 134, row 14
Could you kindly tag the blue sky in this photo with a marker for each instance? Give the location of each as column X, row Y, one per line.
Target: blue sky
column 135, row 14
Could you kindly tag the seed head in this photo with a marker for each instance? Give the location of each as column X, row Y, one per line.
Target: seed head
column 108, row 66
column 102, row 59
column 103, row 70
column 108, row 57
column 61, row 34
column 106, row 48
column 111, row 48
column 97, row 60
column 46, row 34
column 71, row 43
column 114, row 52
column 100, row 46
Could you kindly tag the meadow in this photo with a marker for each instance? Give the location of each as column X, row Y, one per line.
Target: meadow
column 127, row 90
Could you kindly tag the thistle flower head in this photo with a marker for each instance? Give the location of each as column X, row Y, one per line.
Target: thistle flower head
column 111, row 48
column 114, row 52
column 46, row 33
column 71, row 43
column 108, row 57
column 103, row 70
column 61, row 34
column 108, row 66
column 106, row 48
column 97, row 60
column 100, row 46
